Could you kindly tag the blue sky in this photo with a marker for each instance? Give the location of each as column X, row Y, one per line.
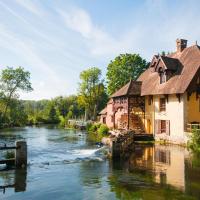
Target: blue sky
column 56, row 39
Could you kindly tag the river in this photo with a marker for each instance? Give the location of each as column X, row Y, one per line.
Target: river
column 66, row 164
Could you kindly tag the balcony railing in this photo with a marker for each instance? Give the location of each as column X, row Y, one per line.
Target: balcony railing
column 193, row 126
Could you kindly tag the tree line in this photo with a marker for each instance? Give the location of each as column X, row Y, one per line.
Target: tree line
column 93, row 93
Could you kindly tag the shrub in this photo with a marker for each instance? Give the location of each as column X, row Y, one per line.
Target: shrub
column 62, row 121
column 194, row 142
column 94, row 127
column 9, row 154
column 103, row 129
column 88, row 126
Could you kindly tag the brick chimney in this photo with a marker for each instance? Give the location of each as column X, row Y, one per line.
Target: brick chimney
column 181, row 44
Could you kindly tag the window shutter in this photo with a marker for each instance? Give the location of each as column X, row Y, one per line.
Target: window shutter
column 168, row 127
column 157, row 126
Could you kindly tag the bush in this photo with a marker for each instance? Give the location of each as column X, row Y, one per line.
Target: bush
column 88, row 126
column 194, row 142
column 94, row 127
column 63, row 121
column 9, row 154
column 103, row 129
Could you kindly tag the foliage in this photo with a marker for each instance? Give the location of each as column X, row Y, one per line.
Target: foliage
column 56, row 110
column 124, row 68
column 103, row 129
column 96, row 131
column 88, row 126
column 14, row 112
column 11, row 82
column 62, row 121
column 194, row 143
column 94, row 127
column 52, row 116
column 9, row 154
column 92, row 94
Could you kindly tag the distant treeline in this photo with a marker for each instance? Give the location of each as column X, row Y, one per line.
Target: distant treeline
column 93, row 94
column 54, row 111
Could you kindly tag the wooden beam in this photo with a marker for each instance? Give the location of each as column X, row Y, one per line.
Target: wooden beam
column 167, row 97
column 8, row 161
column 179, row 97
column 7, row 148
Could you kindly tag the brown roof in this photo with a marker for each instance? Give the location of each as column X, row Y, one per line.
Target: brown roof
column 188, row 65
column 104, row 111
column 170, row 63
column 131, row 88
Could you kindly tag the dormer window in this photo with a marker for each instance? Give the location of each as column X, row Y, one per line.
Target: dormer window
column 162, row 77
column 162, row 74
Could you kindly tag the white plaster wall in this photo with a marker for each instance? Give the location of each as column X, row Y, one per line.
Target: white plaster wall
column 175, row 113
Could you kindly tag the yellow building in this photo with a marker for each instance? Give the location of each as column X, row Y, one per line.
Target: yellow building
column 170, row 93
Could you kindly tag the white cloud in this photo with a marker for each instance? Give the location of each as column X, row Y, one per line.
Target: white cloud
column 79, row 20
column 98, row 40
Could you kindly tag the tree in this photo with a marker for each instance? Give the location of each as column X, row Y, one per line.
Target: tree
column 122, row 69
column 91, row 90
column 52, row 115
column 17, row 114
column 11, row 81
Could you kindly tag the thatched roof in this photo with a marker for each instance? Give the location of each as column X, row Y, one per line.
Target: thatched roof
column 131, row 88
column 186, row 64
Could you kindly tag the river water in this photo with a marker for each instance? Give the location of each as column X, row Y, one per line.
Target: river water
column 66, row 164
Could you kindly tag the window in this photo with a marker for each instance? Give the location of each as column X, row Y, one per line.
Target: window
column 104, row 120
column 162, row 104
column 163, row 126
column 162, row 77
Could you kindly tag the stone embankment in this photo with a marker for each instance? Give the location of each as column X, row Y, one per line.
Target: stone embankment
column 119, row 142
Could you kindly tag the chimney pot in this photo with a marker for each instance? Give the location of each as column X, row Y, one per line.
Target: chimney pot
column 181, row 44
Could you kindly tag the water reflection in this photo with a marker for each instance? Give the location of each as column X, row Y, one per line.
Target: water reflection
column 162, row 170
column 13, row 179
column 63, row 165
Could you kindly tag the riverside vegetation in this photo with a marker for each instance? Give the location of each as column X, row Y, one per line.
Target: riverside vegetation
column 91, row 98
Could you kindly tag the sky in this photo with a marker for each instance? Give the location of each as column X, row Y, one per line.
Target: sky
column 57, row 39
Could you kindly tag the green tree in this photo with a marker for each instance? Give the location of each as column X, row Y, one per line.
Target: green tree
column 91, row 91
column 11, row 82
column 52, row 114
column 17, row 114
column 122, row 69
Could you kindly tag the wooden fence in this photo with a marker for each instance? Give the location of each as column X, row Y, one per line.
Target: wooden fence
column 20, row 159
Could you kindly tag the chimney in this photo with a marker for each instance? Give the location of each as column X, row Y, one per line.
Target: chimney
column 181, row 44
